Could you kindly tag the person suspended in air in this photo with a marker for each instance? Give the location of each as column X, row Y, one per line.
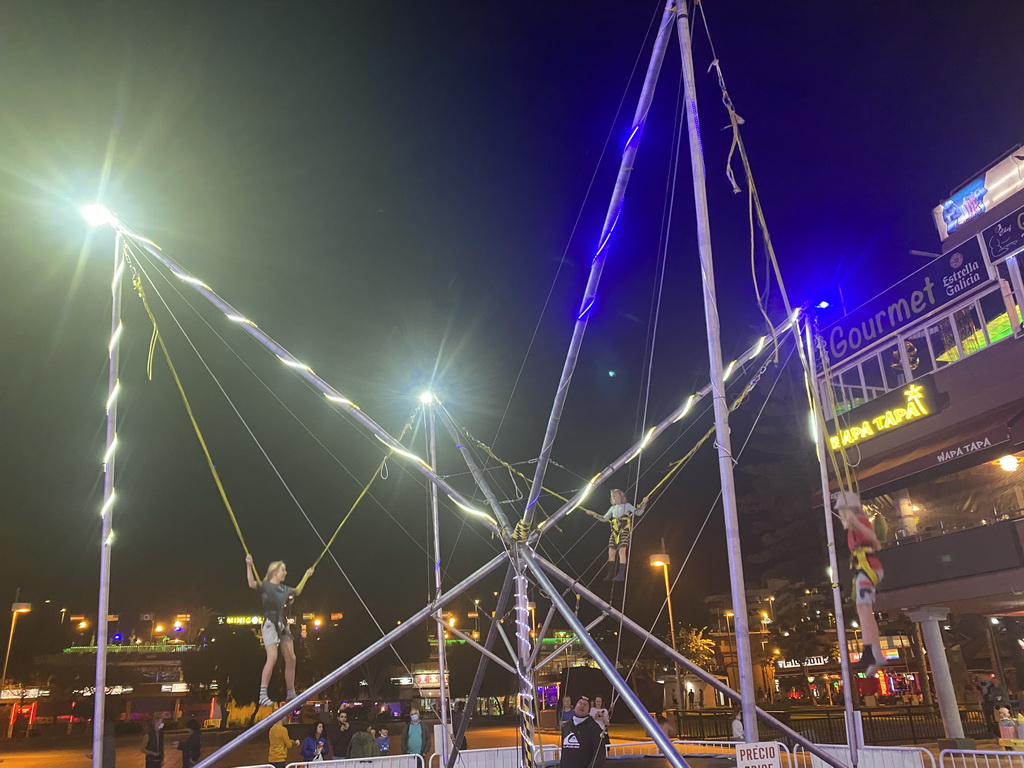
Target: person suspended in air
column 277, row 599
column 620, row 517
column 867, row 573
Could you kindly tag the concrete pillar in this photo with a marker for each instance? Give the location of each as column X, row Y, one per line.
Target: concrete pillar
column 928, row 619
column 908, row 517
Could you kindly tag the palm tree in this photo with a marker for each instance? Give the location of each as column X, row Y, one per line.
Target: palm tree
column 798, row 639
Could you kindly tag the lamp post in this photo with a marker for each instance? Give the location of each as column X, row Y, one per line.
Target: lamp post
column 662, row 560
column 16, row 608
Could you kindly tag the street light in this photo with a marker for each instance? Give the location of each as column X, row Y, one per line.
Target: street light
column 16, row 608
column 662, row 560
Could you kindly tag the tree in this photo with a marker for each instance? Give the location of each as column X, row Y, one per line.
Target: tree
column 797, row 640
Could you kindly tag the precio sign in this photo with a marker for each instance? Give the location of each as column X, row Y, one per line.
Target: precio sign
column 941, row 282
column 760, row 754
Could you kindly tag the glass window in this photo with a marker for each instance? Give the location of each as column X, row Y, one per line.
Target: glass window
column 943, row 343
column 997, row 317
column 968, row 326
column 919, row 357
column 874, row 385
column 851, row 386
column 892, row 367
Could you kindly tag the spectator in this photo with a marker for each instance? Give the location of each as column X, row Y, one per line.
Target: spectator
column 583, row 741
column 737, row 725
column 340, row 735
column 153, row 743
column 189, row 746
column 384, row 740
column 280, row 742
column 364, row 743
column 416, row 739
column 315, row 746
column 566, row 713
column 599, row 713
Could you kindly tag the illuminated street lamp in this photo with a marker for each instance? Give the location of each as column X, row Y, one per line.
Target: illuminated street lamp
column 662, row 560
column 16, row 608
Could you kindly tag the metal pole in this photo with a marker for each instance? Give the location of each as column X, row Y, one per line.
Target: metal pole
column 606, row 666
column 481, row 667
column 286, row 357
column 524, row 653
column 478, row 477
column 107, row 510
column 7, row 657
column 684, row 662
column 721, row 405
column 597, row 265
column 678, row 413
column 369, row 652
column 821, row 443
column 672, row 627
column 442, row 691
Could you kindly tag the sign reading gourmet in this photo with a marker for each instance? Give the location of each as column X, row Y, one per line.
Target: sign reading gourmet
column 886, row 413
column 1006, row 236
column 944, row 280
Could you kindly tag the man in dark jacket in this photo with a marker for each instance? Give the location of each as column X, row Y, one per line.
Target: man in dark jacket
column 582, row 738
column 339, row 733
column 364, row 742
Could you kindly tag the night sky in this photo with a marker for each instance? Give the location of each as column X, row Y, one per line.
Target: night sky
column 409, row 197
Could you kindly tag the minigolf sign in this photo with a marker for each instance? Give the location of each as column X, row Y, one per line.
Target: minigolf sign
column 760, row 754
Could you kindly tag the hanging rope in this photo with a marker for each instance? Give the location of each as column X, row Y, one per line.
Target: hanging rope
column 154, row 341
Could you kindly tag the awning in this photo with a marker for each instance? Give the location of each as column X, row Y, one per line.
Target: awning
column 963, row 445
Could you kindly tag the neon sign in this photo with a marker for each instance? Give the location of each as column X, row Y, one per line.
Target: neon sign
column 884, row 414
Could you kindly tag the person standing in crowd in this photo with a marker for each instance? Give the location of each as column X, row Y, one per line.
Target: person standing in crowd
column 277, row 599
column 364, row 743
column 340, row 735
column 280, row 743
column 566, row 712
column 583, row 741
column 384, row 740
column 416, row 739
column 153, row 743
column 599, row 713
column 189, row 746
column 737, row 725
column 315, row 746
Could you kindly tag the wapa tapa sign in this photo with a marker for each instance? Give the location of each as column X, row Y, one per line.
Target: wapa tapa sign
column 884, row 414
column 941, row 282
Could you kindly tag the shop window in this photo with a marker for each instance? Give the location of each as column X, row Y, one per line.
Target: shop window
column 919, row 356
column 943, row 343
column 852, row 387
column 968, row 326
column 874, row 384
column 892, row 367
column 997, row 318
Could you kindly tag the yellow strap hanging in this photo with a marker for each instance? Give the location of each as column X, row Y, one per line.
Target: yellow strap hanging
column 158, row 339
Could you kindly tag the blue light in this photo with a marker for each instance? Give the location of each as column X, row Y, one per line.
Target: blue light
column 117, row 638
column 822, row 305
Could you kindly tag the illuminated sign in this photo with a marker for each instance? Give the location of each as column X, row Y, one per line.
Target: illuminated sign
column 1005, row 238
column 110, row 690
column 337, row 616
column 1000, row 182
column 23, row 693
column 174, row 688
column 245, row 620
column 944, row 280
column 810, row 661
column 884, row 414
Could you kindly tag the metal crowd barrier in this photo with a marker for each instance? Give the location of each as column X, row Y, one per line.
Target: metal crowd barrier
column 683, row 746
column 495, row 757
column 384, row 761
column 980, row 758
column 871, row 757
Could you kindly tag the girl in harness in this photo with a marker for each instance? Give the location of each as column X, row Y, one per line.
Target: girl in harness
column 620, row 517
column 867, row 573
column 277, row 599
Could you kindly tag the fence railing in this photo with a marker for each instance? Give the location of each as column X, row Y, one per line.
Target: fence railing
column 683, row 747
column 495, row 757
column 384, row 761
column 966, row 758
column 868, row 757
column 883, row 725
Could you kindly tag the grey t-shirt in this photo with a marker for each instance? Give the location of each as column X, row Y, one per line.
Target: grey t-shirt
column 276, row 598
